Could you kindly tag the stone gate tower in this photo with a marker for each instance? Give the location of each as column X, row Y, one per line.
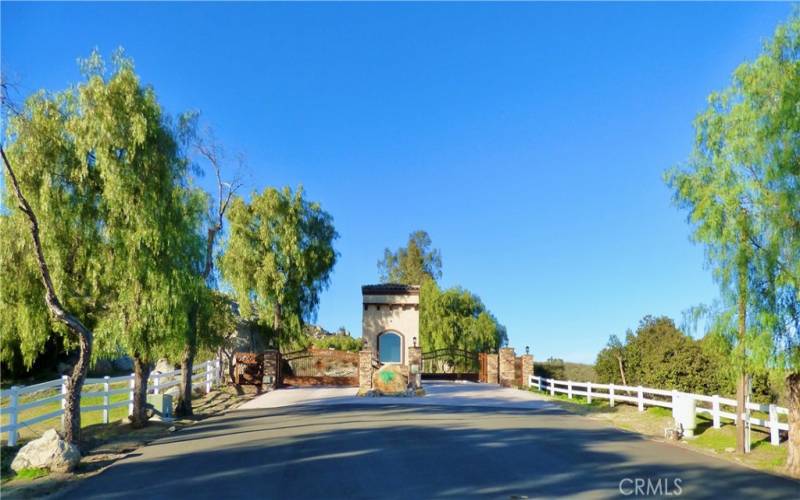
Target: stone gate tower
column 390, row 322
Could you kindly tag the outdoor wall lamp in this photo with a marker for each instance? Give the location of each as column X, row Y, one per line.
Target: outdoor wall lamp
column 414, row 340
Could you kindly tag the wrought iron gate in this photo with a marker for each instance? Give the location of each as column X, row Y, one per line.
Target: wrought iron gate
column 451, row 364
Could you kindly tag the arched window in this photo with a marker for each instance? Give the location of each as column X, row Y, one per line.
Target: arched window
column 389, row 347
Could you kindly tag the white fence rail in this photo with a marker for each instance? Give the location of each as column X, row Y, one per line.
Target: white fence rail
column 204, row 375
column 645, row 396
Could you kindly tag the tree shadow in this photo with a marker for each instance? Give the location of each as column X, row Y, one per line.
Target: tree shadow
column 352, row 451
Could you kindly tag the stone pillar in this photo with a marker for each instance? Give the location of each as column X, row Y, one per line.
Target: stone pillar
column 527, row 368
column 415, row 367
column 507, row 366
column 492, row 369
column 365, row 370
column 271, row 366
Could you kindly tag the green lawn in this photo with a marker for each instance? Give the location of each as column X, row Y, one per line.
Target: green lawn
column 655, row 419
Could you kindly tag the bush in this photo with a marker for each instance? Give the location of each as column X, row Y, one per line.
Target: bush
column 338, row 342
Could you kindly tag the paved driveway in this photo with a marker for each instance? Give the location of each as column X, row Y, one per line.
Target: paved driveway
column 461, row 442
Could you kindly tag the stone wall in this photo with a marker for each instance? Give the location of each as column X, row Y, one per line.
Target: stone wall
column 527, row 368
column 492, row 369
column 415, row 367
column 365, row 370
column 506, row 366
column 271, row 366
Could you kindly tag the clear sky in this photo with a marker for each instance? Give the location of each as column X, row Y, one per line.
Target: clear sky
column 529, row 140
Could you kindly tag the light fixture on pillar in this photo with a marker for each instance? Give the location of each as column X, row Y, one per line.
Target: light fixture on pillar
column 527, row 350
column 414, row 340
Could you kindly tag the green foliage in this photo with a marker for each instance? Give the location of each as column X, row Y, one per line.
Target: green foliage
column 216, row 321
column 741, row 190
column 456, row 318
column 278, row 259
column 338, row 342
column 659, row 355
column 413, row 264
column 119, row 221
column 63, row 193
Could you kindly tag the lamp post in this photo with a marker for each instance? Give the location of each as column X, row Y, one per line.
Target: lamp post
column 527, row 350
column 414, row 341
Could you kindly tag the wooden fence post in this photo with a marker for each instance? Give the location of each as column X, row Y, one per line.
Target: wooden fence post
column 715, row 410
column 208, row 377
column 156, row 383
column 64, row 380
column 552, row 388
column 569, row 389
column 12, row 416
column 105, row 399
column 641, row 398
column 611, row 395
column 589, row 392
column 774, row 434
column 541, row 386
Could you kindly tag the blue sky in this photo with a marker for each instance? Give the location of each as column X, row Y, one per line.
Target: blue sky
column 528, row 139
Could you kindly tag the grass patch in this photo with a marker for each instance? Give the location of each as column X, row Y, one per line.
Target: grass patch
column 28, row 432
column 32, row 473
column 654, row 419
column 658, row 411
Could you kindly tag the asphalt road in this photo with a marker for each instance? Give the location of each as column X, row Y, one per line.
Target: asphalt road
column 397, row 450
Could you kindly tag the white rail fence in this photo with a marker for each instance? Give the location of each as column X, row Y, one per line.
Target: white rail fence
column 204, row 375
column 664, row 398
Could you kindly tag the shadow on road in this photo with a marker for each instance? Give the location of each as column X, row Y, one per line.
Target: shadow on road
column 352, row 451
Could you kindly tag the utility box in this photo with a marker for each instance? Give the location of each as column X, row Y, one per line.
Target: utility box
column 161, row 405
column 684, row 408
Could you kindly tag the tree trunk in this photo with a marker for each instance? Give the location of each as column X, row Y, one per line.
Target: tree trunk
column 741, row 386
column 741, row 399
column 183, row 408
column 621, row 370
column 72, row 399
column 276, row 325
column 141, row 371
column 793, row 460
column 72, row 402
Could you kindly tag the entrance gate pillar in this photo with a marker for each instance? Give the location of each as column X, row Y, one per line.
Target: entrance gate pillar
column 365, row 370
column 507, row 360
column 415, row 367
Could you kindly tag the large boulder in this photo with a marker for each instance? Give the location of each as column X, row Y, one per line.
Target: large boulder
column 163, row 366
column 390, row 379
column 48, row 452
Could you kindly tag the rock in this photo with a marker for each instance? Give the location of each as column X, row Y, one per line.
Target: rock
column 48, row 452
column 390, row 379
column 123, row 363
column 163, row 366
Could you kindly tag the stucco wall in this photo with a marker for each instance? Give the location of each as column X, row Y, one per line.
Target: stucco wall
column 397, row 313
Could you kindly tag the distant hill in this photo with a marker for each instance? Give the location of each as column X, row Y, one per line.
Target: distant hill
column 565, row 370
